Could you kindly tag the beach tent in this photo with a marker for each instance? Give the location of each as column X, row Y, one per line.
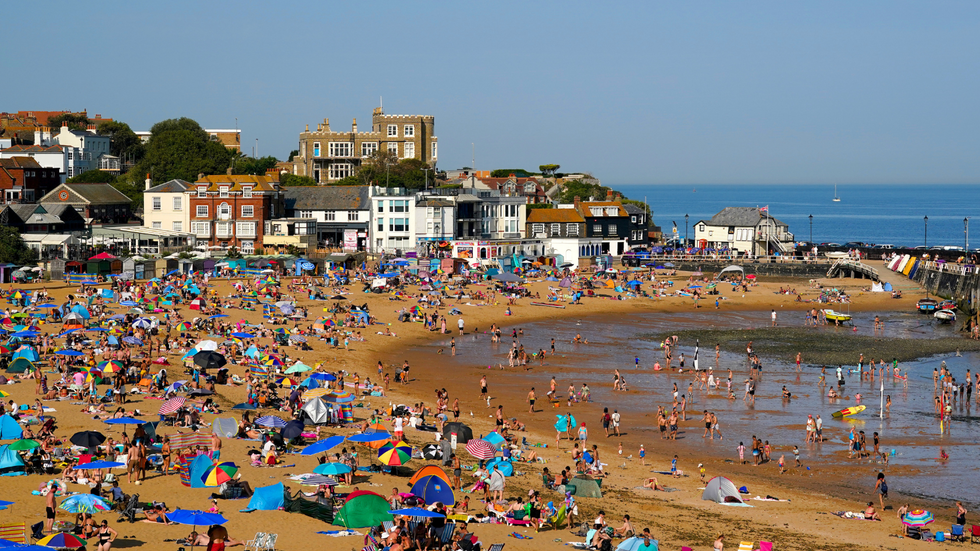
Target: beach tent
column 732, row 268
column 434, row 488
column 585, row 486
column 20, row 365
column 721, row 490
column 10, row 429
column 363, row 509
column 11, row 463
column 317, row 411
column 225, row 427
column 267, row 498
column 888, row 287
column 197, row 468
column 428, row 470
column 28, row 353
column 877, row 288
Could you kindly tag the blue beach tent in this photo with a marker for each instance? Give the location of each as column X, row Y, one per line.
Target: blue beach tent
column 267, row 498
column 10, row 429
column 198, row 467
column 11, row 463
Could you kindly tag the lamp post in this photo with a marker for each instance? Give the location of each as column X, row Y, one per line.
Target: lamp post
column 811, row 230
column 925, row 235
column 966, row 234
column 686, row 217
column 426, row 170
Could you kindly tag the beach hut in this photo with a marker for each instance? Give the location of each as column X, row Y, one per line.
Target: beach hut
column 11, row 463
column 584, row 486
column 267, row 498
column 721, row 490
column 10, row 429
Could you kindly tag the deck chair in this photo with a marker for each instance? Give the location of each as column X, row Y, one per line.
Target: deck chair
column 555, row 521
column 270, row 542
column 14, row 532
column 388, row 525
column 37, row 531
column 253, row 543
column 447, row 533
column 497, row 547
column 745, row 546
column 975, row 534
column 956, row 532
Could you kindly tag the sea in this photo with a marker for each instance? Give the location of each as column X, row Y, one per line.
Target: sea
column 874, row 214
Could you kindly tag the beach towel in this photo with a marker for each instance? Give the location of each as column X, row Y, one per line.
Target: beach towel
column 339, row 533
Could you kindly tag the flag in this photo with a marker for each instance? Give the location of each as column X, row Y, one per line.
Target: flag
column 764, row 209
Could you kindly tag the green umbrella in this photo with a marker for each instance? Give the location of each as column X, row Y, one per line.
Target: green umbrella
column 363, row 510
column 25, row 444
column 298, row 368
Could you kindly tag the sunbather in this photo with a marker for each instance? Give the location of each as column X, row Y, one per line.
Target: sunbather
column 157, row 515
column 870, row 513
column 653, row 485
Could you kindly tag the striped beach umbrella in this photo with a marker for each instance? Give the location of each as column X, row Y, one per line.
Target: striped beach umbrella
column 110, row 366
column 184, row 326
column 481, row 449
column 917, row 517
column 270, row 421
column 286, row 382
column 62, row 540
column 314, row 393
column 339, row 397
column 218, row 474
column 172, row 405
column 395, row 453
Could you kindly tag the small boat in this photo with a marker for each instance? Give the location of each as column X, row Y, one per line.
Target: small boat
column 832, row 315
column 836, row 198
column 926, row 305
column 945, row 316
column 847, row 412
column 947, row 305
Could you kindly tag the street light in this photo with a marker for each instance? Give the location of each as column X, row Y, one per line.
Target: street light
column 925, row 236
column 966, row 233
column 686, row 217
column 811, row 230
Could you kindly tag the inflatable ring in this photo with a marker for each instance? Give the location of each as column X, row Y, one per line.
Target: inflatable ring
column 46, row 487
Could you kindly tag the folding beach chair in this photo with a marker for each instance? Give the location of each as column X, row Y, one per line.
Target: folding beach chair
column 447, row 533
column 497, row 547
column 975, row 534
column 956, row 532
column 745, row 546
column 14, row 532
column 555, row 521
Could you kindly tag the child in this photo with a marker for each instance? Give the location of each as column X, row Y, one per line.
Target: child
column 741, row 453
column 782, row 464
column 702, row 470
column 637, row 361
column 673, row 468
column 620, row 449
column 796, row 454
column 643, row 453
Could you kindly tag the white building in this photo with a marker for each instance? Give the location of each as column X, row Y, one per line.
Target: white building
column 392, row 214
column 71, row 152
column 166, row 206
column 342, row 213
column 747, row 230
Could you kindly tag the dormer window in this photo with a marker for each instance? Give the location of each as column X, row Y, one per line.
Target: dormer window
column 223, row 192
column 247, row 192
column 202, row 192
column 596, row 211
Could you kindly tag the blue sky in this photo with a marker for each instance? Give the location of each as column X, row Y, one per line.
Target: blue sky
column 634, row 92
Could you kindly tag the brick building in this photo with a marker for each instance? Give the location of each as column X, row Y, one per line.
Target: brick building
column 327, row 155
column 24, row 180
column 234, row 210
column 98, row 203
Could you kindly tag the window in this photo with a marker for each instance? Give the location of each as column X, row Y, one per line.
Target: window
column 248, row 211
column 316, row 149
column 393, row 148
column 381, row 224
column 409, row 150
column 157, row 202
column 409, row 130
column 434, row 144
column 247, row 247
column 247, row 192
column 537, row 228
column 158, row 225
column 340, row 149
column 223, row 229
column 224, row 210
column 69, row 172
column 305, row 213
column 572, row 230
column 368, row 148
column 633, row 220
column 555, row 229
column 178, row 226
column 340, row 170
column 178, row 203
column 202, row 192
column 352, row 216
column 613, row 230
column 597, row 228
column 201, row 229
column 330, row 216
column 381, row 206
column 245, row 229
column 202, row 211
column 223, row 192
column 398, row 206
column 596, row 211
column 612, row 211
column 398, row 224
column 392, row 130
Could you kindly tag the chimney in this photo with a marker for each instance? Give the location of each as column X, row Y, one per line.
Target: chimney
column 228, row 172
column 619, row 197
column 64, row 124
column 326, row 125
column 91, row 128
column 307, row 128
column 38, row 136
column 147, row 180
column 577, row 201
column 200, row 176
column 609, row 195
column 353, row 127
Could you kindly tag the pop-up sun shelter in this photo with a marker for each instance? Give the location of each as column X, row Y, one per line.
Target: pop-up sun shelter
column 11, row 463
column 721, row 490
column 10, row 429
column 267, row 498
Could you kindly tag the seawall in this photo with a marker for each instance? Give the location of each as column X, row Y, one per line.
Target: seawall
column 953, row 281
column 759, row 268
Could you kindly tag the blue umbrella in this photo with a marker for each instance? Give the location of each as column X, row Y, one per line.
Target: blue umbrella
column 172, row 272
column 117, row 317
column 47, row 305
column 196, row 518
column 133, row 340
column 69, row 353
column 243, row 335
column 332, row 469
column 97, row 329
column 7, row 544
column 124, row 421
column 127, row 303
column 244, row 405
column 85, row 503
column 4, row 503
column 66, row 332
column 322, row 377
column 25, row 334
column 637, row 544
column 370, row 437
column 218, row 316
column 270, row 421
column 417, row 512
column 323, row 445
column 99, row 465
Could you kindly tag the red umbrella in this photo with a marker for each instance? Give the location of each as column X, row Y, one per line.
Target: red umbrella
column 172, row 405
column 103, row 256
column 481, row 449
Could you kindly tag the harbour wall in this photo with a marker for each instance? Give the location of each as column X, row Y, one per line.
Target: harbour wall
column 953, row 281
column 759, row 268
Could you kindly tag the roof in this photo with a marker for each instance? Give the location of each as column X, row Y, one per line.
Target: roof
column 236, row 181
column 740, row 216
column 173, row 186
column 583, row 207
column 435, row 203
column 92, row 194
column 20, row 162
column 550, row 216
column 34, row 149
column 327, row 198
column 633, row 209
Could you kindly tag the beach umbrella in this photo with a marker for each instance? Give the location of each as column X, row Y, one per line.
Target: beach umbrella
column 172, row 405
column 314, row 393
column 200, row 392
column 503, row 465
column 286, row 382
column 241, row 335
column 209, row 359
column 218, row 474
column 216, row 316
column 332, row 469
column 124, row 421
column 72, row 353
column 298, row 368
column 319, row 479
column 244, row 406
column 367, row 438
column 184, row 326
column 133, row 341
column 458, row 431
column 431, row 452
column 87, row 439
column 24, row 444
column 270, row 421
column 297, row 338
column 85, row 503
column 363, row 509
column 206, row 345
column 395, row 453
column 62, row 540
column 110, row 366
column 195, row 518
column 637, row 544
column 4, row 394
column 142, row 323
column 339, row 397
column 418, row 512
column 481, row 449
column 292, row 429
column 323, row 445
column 495, row 439
column 99, row 465
column 918, row 518
column 323, row 377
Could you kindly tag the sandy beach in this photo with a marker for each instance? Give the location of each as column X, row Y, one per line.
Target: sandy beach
column 677, row 518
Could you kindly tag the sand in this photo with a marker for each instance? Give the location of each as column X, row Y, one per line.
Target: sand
column 676, row 518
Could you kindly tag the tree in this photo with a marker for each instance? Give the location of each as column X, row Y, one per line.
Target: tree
column 506, row 172
column 251, row 165
column 180, row 148
column 583, row 190
column 92, row 177
column 75, row 121
column 13, row 249
column 548, row 171
column 291, row 180
column 124, row 142
column 292, row 154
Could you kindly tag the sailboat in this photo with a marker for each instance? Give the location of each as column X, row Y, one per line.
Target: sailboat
column 836, row 198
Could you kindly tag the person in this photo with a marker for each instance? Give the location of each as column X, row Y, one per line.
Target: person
column 720, row 543
column 219, row 539
column 870, row 513
column 960, row 514
column 497, row 482
column 157, row 515
column 106, row 536
column 457, row 473
column 882, row 488
column 653, row 485
column 50, row 506
column 626, row 530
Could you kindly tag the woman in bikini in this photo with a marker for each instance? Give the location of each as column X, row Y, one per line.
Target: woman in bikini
column 106, row 536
